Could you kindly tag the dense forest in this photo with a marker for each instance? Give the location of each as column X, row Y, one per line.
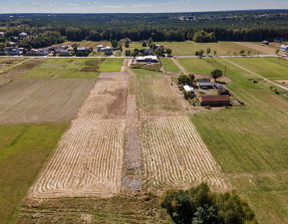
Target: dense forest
column 48, row 29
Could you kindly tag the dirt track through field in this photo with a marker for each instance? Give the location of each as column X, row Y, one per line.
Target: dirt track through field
column 88, row 160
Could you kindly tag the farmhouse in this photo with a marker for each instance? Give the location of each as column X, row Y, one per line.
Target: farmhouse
column 43, row 52
column 265, row 42
column 204, row 83
column 64, row 52
column 148, row 51
column 149, row 59
column 99, row 47
column 284, row 47
column 108, row 50
column 214, row 100
column 23, row 35
column 2, row 33
column 11, row 50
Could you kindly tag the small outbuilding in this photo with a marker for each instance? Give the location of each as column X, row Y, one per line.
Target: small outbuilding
column 265, row 42
column 188, row 89
column 214, row 100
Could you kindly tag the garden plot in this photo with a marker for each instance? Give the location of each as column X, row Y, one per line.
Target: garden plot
column 175, row 155
column 89, row 158
column 57, row 100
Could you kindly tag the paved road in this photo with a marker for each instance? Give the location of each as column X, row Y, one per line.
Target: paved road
column 259, row 76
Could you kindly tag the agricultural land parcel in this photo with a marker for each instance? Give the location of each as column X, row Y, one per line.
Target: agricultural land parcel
column 188, row 48
column 34, row 92
column 249, row 143
column 173, row 153
column 169, row 65
column 52, row 91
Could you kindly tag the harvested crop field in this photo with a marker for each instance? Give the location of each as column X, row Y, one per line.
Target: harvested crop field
column 257, row 47
column 35, row 101
column 175, row 156
column 89, row 158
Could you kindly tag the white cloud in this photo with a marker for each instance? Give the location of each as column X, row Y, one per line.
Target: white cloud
column 114, row 6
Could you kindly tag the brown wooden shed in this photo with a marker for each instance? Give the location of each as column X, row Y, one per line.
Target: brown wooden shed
column 217, row 100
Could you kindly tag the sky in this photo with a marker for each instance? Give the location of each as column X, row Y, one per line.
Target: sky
column 134, row 6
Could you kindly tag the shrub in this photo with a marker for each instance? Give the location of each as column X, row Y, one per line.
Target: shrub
column 199, row 205
column 183, row 80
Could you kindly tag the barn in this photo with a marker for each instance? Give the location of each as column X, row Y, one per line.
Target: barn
column 214, row 100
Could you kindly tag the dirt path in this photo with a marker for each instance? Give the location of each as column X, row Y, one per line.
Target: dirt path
column 180, row 66
column 253, row 73
column 133, row 153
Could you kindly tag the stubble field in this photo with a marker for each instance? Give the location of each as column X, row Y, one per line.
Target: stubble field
column 88, row 160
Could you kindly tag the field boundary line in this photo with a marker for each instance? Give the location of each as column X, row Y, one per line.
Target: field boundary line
column 179, row 66
column 253, row 73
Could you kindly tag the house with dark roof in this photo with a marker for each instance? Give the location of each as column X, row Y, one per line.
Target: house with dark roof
column 204, row 83
column 214, row 100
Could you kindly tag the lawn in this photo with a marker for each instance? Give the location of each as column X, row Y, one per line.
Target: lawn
column 264, row 67
column 169, row 65
column 188, row 48
column 23, row 151
column 65, row 68
column 249, row 143
column 111, row 65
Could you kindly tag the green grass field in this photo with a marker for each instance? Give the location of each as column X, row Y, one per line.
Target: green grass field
column 169, row 65
column 249, row 143
column 65, row 68
column 280, row 61
column 188, row 48
column 111, row 65
column 263, row 67
column 23, row 152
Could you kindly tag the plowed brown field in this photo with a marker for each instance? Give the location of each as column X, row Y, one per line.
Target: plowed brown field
column 32, row 101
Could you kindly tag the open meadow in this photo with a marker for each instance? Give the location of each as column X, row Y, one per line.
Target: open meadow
column 188, row 48
column 23, row 151
column 249, row 142
column 169, row 65
column 264, row 67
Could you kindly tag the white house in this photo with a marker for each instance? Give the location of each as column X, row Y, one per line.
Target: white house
column 99, row 47
column 23, row 35
column 284, row 47
column 2, row 33
column 150, row 59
